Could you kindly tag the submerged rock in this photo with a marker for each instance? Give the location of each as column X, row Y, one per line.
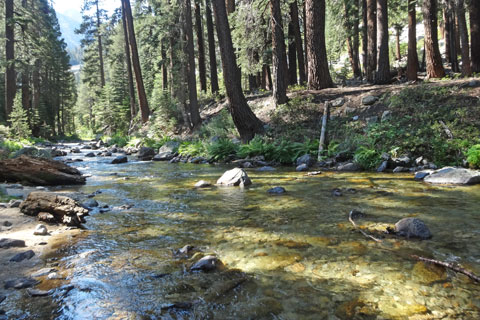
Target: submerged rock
column 207, row 264
column 235, row 177
column 420, row 175
column 26, row 255
column 6, row 243
column 277, row 190
column 454, row 175
column 266, row 168
column 90, row 203
column 347, row 167
column 412, row 228
column 38, row 293
column 120, row 159
column 383, row 166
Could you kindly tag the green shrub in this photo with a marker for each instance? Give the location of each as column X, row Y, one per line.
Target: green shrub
column 11, row 145
column 257, row 147
column 221, row 149
column 117, row 139
column 368, row 159
column 219, row 126
column 473, row 156
column 194, row 149
column 19, row 120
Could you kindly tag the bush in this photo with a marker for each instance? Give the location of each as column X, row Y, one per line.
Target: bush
column 194, row 149
column 117, row 139
column 368, row 159
column 221, row 149
column 473, row 156
column 19, row 120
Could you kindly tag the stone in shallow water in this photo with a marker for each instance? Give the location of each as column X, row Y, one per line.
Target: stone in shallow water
column 234, row 177
column 20, row 283
column 120, row 159
column 11, row 243
column 452, row 175
column 302, row 167
column 27, row 255
column 266, row 168
column 202, row 184
column 277, row 190
column 412, row 228
column 37, row 292
column 43, row 272
column 40, row 230
column 207, row 264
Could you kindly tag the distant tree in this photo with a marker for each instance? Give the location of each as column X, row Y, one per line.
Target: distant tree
column 371, row 40
column 211, row 49
column 200, row 47
column 298, row 41
column 462, row 30
column 383, row 64
column 412, row 56
column 10, row 74
column 279, row 54
column 128, row 60
column 433, row 57
column 474, row 9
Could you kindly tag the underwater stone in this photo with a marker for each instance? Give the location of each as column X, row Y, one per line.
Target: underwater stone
column 412, row 228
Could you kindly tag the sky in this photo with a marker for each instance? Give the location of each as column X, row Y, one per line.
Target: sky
column 66, row 6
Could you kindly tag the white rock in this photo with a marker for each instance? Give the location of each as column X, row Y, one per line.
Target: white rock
column 40, row 230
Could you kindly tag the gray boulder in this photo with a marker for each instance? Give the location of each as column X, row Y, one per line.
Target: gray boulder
column 306, row 159
column 90, row 155
column 20, row 283
column 169, row 146
column 164, row 156
column 412, row 228
column 454, row 175
column 420, row 175
column 207, row 264
column 33, row 152
column 277, row 190
column 26, row 255
column 348, row 167
column 386, row 115
column 6, row 243
column 234, row 177
column 90, row 203
column 369, row 100
column 145, row 154
column 14, row 203
column 302, row 167
column 382, row 166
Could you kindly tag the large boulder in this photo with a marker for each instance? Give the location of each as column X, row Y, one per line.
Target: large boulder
column 33, row 152
column 169, row 146
column 234, row 177
column 453, row 175
column 37, row 171
column 306, row 159
column 145, row 154
column 64, row 209
column 120, row 159
column 412, row 228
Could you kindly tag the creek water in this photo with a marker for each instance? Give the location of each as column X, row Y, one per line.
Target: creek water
column 290, row 256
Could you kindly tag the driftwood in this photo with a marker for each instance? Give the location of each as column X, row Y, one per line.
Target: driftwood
column 323, row 133
column 37, row 171
column 448, row 265
column 361, row 231
column 446, row 129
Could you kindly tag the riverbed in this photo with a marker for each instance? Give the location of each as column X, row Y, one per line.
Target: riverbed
column 289, row 256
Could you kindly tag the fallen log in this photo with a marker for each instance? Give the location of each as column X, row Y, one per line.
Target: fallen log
column 39, row 172
column 450, row 266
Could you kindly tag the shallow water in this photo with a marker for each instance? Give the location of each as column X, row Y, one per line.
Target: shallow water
column 292, row 256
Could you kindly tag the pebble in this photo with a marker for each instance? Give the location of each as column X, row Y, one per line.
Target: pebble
column 26, row 255
column 40, row 230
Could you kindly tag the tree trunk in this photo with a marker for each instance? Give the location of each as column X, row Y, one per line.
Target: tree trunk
column 475, row 34
column 191, row 79
column 26, row 91
column 279, row 57
column 412, row 56
column 164, row 67
column 351, row 28
column 244, row 119
column 211, row 49
column 318, row 73
column 450, row 35
column 10, row 75
column 292, row 53
column 298, row 41
column 131, row 90
column 372, row 40
column 305, row 46
column 465, row 47
column 398, row 31
column 230, row 4
column 447, row 35
column 100, row 48
column 36, row 86
column 142, row 97
column 201, row 48
column 383, row 66
column 364, row 37
column 432, row 52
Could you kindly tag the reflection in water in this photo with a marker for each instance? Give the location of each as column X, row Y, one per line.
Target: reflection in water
column 293, row 256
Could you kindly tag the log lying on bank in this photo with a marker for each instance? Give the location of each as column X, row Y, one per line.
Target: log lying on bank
column 64, row 209
column 41, row 172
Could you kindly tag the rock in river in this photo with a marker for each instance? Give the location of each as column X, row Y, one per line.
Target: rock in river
column 145, row 154
column 37, row 171
column 20, row 283
column 277, row 190
column 26, row 255
column 6, row 243
column 202, row 184
column 120, row 159
column 40, row 230
column 412, row 228
column 235, row 177
column 207, row 264
column 453, row 175
column 64, row 209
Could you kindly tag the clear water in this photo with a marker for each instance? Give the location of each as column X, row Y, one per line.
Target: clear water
column 293, row 256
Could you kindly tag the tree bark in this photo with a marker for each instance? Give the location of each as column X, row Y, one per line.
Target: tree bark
column 447, row 35
column 230, row 5
column 398, row 31
column 372, row 40
column 351, row 27
column 164, row 66
column 412, row 56
column 305, row 46
column 10, row 75
column 279, row 56
column 211, row 49
column 357, row 72
column 200, row 47
column 475, row 34
column 131, row 90
column 432, row 52
column 142, row 97
column 364, row 37
column 100, row 47
column 292, row 52
column 383, row 65
column 298, row 41
column 244, row 119
column 465, row 47
column 318, row 73
column 191, row 79
column 450, row 35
